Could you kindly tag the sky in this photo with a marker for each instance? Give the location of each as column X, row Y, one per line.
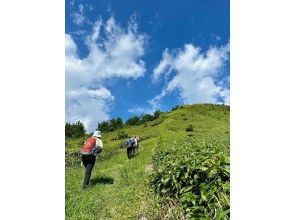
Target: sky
column 125, row 58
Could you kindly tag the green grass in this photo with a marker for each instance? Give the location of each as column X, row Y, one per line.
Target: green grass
column 120, row 188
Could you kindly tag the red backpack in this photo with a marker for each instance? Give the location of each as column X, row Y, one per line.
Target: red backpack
column 88, row 147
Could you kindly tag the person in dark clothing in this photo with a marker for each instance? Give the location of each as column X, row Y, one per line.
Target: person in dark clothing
column 91, row 148
column 88, row 162
column 130, row 147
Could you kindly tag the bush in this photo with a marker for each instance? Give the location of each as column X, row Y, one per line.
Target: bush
column 196, row 173
column 158, row 122
column 189, row 128
column 121, row 134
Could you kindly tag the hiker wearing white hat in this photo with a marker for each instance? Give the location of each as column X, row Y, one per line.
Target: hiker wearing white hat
column 97, row 134
column 90, row 149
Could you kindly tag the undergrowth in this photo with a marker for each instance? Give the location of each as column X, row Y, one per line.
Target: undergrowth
column 195, row 173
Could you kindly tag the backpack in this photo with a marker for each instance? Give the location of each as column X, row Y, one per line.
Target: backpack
column 131, row 142
column 89, row 146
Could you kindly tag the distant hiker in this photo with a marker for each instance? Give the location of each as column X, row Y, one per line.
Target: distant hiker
column 131, row 147
column 89, row 151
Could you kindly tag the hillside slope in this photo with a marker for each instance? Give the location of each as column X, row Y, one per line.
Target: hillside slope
column 120, row 188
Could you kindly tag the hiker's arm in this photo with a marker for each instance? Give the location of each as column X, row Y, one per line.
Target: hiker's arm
column 99, row 143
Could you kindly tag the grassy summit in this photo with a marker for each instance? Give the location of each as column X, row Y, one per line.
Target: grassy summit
column 180, row 171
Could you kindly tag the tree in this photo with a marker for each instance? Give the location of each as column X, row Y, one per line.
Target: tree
column 104, row 126
column 74, row 130
column 135, row 120
column 156, row 114
column 110, row 125
column 79, row 129
column 68, row 130
column 119, row 122
column 146, row 117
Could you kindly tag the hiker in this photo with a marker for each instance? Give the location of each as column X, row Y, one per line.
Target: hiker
column 89, row 151
column 130, row 147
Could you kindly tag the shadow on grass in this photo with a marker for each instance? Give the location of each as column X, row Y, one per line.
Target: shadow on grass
column 136, row 154
column 102, row 180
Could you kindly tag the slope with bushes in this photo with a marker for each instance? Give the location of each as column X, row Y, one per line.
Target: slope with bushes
column 180, row 172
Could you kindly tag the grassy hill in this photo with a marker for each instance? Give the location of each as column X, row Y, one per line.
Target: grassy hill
column 180, row 172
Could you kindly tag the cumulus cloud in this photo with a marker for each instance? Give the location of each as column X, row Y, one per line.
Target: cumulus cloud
column 113, row 52
column 193, row 74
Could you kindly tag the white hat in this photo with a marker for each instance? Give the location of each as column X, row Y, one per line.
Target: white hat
column 97, row 134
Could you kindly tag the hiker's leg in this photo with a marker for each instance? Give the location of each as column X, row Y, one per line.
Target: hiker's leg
column 89, row 168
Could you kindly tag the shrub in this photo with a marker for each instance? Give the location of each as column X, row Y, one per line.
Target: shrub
column 196, row 173
column 121, row 134
column 189, row 128
column 157, row 122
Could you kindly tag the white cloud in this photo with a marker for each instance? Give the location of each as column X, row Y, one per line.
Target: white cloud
column 141, row 110
column 193, row 74
column 117, row 54
column 79, row 17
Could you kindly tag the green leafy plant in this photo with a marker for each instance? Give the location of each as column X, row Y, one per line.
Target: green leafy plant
column 197, row 174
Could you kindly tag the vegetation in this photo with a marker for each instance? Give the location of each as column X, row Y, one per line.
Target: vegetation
column 175, row 175
column 74, row 130
column 135, row 120
column 121, row 134
column 116, row 123
column 110, row 125
column 189, row 128
column 197, row 175
column 177, row 107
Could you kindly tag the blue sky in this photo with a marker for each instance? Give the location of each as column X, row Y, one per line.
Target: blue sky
column 131, row 57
